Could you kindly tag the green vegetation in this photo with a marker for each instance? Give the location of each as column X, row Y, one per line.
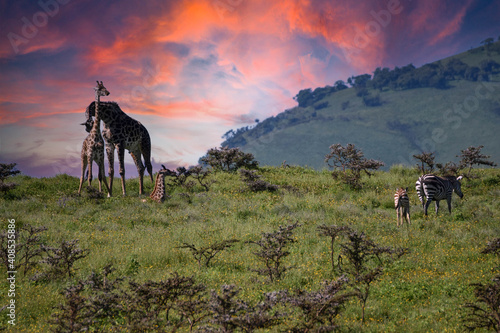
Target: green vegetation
column 390, row 115
column 424, row 290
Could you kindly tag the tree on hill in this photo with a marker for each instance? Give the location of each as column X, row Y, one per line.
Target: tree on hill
column 340, row 85
column 455, row 67
column 304, row 97
column 359, row 81
column 381, row 78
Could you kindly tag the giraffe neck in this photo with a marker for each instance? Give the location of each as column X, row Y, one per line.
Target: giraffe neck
column 96, row 128
column 159, row 190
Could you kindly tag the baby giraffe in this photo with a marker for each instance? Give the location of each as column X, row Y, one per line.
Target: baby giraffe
column 158, row 193
column 93, row 145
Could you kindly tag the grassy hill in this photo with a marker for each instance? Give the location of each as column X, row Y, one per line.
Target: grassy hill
column 404, row 121
column 423, row 291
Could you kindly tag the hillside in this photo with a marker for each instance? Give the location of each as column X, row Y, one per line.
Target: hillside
column 444, row 107
column 423, row 291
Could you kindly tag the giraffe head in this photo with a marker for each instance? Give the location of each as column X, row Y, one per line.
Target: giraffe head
column 88, row 124
column 100, row 89
column 166, row 172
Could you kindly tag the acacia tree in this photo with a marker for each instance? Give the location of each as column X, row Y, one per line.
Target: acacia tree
column 472, row 156
column 7, row 170
column 348, row 162
column 426, row 158
column 229, row 159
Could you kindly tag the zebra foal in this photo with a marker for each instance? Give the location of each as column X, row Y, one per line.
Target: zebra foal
column 436, row 188
column 402, row 205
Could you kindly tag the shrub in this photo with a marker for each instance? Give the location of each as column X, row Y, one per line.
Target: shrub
column 229, row 159
column 272, row 251
column 348, row 162
column 27, row 248
column 320, row 309
column 484, row 312
column 203, row 255
column 472, row 156
column 7, row 170
column 254, row 183
column 230, row 314
column 60, row 261
column 332, row 231
column 364, row 263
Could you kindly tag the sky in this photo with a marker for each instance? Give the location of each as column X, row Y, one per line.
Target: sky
column 189, row 71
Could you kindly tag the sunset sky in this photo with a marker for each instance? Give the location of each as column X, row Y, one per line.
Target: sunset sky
column 191, row 70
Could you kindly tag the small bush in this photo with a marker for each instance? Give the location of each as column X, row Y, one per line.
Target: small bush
column 254, row 183
column 203, row 255
column 60, row 261
column 272, row 251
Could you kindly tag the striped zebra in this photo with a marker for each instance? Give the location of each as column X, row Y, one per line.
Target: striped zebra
column 402, row 205
column 437, row 188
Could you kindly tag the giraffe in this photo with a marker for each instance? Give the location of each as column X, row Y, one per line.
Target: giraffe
column 123, row 132
column 93, row 145
column 158, row 193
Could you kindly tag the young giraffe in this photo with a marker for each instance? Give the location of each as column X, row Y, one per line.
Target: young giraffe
column 158, row 193
column 122, row 132
column 402, row 205
column 93, row 145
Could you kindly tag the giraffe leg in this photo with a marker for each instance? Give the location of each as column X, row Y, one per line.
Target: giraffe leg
column 82, row 177
column 102, row 177
column 136, row 155
column 146, row 154
column 110, row 151
column 90, row 171
column 121, row 162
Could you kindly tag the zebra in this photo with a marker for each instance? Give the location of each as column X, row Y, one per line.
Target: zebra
column 402, row 205
column 437, row 188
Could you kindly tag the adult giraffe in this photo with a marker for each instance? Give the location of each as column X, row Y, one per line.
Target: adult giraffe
column 123, row 132
column 93, row 145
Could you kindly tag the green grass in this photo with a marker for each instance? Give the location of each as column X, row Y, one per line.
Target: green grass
column 423, row 291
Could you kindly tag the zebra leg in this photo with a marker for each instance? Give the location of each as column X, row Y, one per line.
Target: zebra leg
column 448, row 200
column 426, row 207
column 408, row 215
column 437, row 206
column 398, row 216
